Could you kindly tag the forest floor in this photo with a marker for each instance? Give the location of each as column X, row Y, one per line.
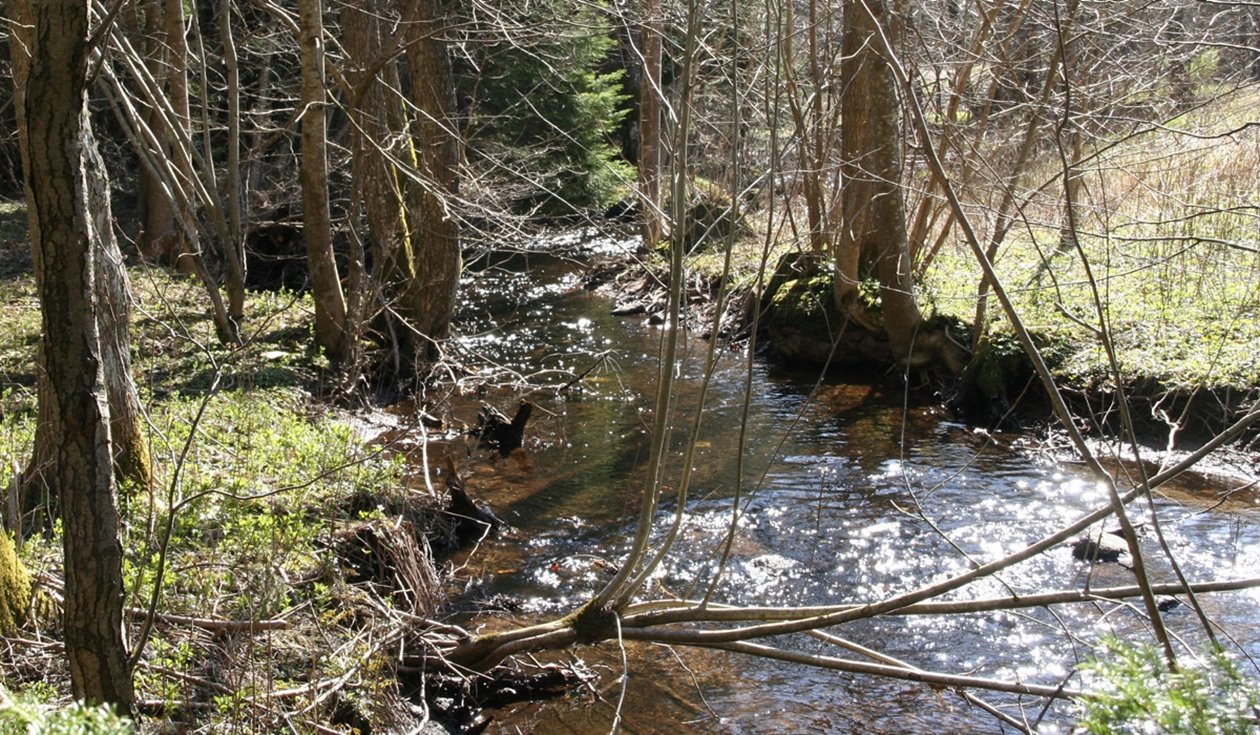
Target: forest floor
column 298, row 538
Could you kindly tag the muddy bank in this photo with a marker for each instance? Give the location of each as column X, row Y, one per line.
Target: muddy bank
column 797, row 326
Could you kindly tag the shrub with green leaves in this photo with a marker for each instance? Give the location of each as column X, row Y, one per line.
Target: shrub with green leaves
column 26, row 715
column 1132, row 691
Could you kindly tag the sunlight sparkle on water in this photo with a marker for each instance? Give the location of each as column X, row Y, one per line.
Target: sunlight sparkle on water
column 886, row 527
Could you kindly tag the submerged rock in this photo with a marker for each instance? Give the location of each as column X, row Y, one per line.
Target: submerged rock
column 1109, row 547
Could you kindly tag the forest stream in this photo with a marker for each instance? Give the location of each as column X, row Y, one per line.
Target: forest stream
column 848, row 497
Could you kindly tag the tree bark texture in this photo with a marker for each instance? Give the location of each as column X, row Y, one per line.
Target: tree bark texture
column 874, row 228
column 378, row 120
column 167, row 49
column 64, row 232
column 650, row 126
column 234, row 192
column 162, row 236
column 428, row 304
column 132, row 460
column 376, row 144
column 330, row 305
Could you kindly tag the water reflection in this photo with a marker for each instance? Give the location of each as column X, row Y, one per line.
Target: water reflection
column 847, row 497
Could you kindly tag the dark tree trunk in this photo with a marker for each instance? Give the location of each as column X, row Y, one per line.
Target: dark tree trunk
column 330, row 305
column 377, row 142
column 132, row 461
column 61, row 192
column 161, row 238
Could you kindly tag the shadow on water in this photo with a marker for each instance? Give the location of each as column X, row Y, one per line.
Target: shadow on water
column 848, row 496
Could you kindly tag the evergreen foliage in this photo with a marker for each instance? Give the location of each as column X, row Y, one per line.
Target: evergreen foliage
column 542, row 113
column 1135, row 693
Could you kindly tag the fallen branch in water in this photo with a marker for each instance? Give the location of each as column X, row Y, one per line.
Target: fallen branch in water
column 930, row 678
column 665, row 612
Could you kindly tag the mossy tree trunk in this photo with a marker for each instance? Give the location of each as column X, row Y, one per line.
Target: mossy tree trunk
column 68, row 206
column 15, row 587
column 434, row 259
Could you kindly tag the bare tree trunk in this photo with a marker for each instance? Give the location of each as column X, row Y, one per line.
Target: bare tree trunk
column 428, row 304
column 61, row 193
column 131, row 456
column 815, row 128
column 874, row 230
column 650, row 126
column 330, row 305
column 179, row 248
column 376, row 143
column 221, row 202
column 132, row 460
column 160, row 228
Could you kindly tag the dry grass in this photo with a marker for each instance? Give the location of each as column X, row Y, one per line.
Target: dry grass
column 1169, row 223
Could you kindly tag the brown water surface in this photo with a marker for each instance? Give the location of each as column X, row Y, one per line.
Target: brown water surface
column 848, row 496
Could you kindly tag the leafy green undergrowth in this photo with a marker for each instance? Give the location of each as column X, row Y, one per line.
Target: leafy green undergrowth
column 31, row 712
column 261, row 495
column 1168, row 223
column 268, row 510
column 1132, row 691
column 273, row 509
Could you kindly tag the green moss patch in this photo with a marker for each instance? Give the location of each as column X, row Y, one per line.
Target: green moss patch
column 15, row 588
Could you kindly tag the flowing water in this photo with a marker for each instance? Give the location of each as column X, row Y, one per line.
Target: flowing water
column 848, row 497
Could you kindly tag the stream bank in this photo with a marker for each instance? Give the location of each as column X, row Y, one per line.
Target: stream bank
column 799, row 327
